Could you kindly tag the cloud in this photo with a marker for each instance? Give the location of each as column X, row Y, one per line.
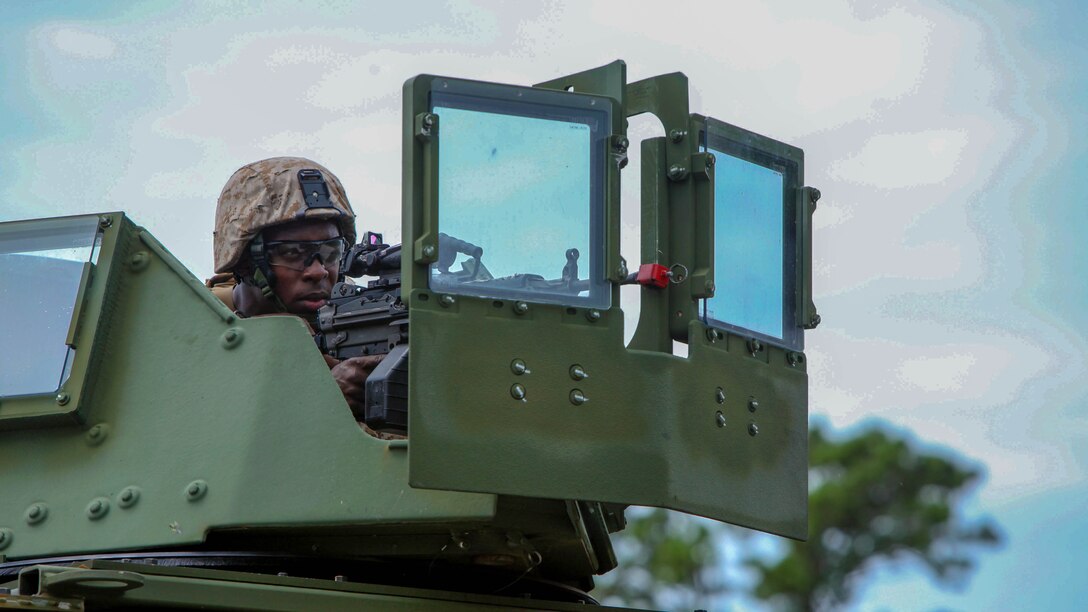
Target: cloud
column 967, row 384
column 814, row 67
column 895, row 161
column 85, row 45
column 943, row 374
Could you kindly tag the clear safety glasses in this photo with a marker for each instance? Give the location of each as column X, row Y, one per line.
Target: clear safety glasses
column 300, row 254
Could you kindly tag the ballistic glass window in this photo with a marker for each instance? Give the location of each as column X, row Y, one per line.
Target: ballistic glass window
column 41, row 268
column 520, row 195
column 755, row 236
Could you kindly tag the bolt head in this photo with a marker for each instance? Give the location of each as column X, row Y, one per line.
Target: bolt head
column 518, row 367
column 196, row 490
column 521, row 307
column 517, row 391
column 719, row 418
column 97, row 434
column 593, row 315
column 139, row 260
column 447, row 300
column 428, row 251
column 63, row 398
column 753, row 429
column 97, row 508
column 719, row 395
column 577, row 397
column 128, row 497
column 231, row 338
column 36, row 513
column 753, row 404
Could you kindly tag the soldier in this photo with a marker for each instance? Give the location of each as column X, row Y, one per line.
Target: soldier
column 282, row 226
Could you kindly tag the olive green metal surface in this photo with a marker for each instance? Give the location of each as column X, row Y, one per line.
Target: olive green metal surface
column 197, row 420
column 650, row 433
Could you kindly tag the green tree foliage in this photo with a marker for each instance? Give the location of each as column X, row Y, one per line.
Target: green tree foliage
column 666, row 560
column 875, row 498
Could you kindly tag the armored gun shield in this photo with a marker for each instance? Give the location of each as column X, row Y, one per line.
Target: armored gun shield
column 519, row 380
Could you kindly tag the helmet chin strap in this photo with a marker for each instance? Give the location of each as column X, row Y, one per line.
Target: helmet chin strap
column 265, row 285
column 263, row 276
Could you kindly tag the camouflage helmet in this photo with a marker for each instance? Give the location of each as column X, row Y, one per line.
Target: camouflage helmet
column 267, row 193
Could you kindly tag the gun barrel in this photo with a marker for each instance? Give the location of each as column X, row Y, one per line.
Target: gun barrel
column 372, row 260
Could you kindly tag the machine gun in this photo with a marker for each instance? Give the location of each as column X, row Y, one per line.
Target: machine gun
column 373, row 320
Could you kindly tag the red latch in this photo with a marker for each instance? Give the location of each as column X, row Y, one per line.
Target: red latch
column 653, row 274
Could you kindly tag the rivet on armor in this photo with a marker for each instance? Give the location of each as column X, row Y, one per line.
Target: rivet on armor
column 196, row 490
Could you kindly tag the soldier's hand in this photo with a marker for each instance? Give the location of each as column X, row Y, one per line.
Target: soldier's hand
column 351, row 375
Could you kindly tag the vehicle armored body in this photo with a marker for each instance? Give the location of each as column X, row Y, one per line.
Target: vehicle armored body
column 158, row 451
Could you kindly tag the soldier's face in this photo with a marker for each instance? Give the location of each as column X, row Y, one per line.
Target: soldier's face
column 304, row 291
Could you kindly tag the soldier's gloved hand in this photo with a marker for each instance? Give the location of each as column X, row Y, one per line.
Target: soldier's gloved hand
column 351, row 375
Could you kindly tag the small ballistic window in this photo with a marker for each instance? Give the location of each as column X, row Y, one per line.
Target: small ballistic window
column 520, row 194
column 41, row 267
column 755, row 257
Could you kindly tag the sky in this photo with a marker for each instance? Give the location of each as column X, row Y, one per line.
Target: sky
column 945, row 136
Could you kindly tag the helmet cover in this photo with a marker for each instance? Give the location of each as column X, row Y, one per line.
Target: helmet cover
column 268, row 193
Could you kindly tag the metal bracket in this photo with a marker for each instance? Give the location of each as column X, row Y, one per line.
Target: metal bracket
column 425, row 247
column 608, row 80
column 702, row 263
column 315, row 192
column 666, row 97
column 82, row 583
column 807, row 317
